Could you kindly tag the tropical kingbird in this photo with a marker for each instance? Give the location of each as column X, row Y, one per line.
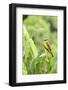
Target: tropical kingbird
column 47, row 46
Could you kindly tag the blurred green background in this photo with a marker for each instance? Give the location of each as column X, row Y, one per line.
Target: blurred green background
column 36, row 60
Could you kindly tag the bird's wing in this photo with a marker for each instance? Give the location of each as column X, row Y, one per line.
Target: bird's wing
column 48, row 46
column 50, row 49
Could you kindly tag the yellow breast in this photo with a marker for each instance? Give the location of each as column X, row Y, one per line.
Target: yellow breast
column 45, row 45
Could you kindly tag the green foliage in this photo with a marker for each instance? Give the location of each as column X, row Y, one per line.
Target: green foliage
column 38, row 30
column 36, row 60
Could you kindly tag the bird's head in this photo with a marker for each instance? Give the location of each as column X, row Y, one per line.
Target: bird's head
column 45, row 40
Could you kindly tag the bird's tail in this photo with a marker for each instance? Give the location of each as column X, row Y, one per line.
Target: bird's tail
column 52, row 54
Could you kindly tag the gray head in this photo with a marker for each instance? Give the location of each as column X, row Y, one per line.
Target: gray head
column 45, row 39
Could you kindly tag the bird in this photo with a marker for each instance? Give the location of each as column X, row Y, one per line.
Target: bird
column 47, row 46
